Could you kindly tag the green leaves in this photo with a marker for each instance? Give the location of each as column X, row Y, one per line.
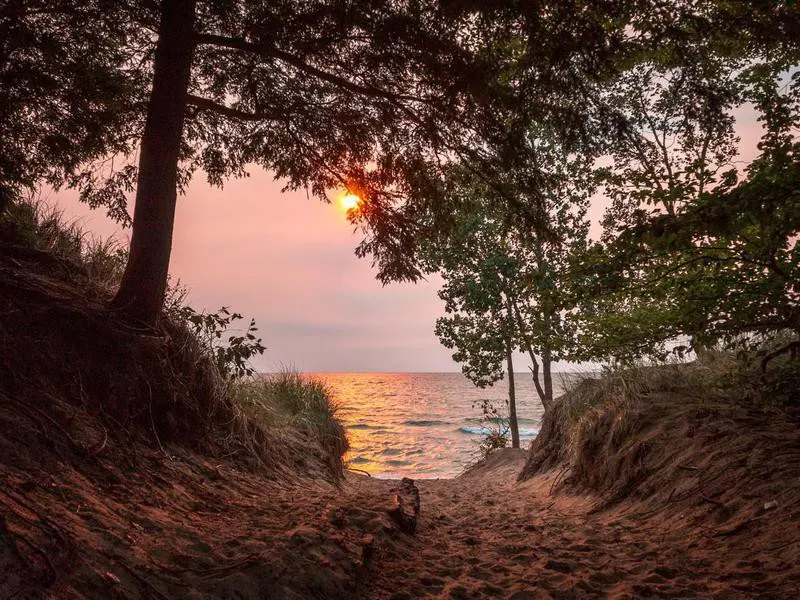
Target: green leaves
column 504, row 282
column 718, row 263
column 231, row 353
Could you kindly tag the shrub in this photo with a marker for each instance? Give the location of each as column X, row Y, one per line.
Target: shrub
column 498, row 426
column 492, row 441
column 231, row 353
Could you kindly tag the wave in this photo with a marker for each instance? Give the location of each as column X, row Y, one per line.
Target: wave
column 425, row 423
column 525, row 432
column 496, row 420
column 365, row 426
column 400, row 452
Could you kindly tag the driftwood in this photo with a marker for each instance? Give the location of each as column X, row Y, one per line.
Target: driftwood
column 405, row 506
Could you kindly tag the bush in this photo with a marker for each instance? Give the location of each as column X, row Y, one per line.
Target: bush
column 492, row 441
column 231, row 353
column 498, row 426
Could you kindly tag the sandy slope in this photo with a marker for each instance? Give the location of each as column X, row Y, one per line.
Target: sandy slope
column 191, row 527
column 483, row 535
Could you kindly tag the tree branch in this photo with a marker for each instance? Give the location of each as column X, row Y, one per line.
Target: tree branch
column 513, row 311
column 227, row 111
column 271, row 52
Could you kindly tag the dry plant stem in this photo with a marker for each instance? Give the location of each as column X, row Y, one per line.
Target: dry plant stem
column 359, row 471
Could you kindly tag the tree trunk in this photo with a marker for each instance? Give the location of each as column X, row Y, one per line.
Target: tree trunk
column 548, row 378
column 144, row 282
column 534, row 363
column 512, row 398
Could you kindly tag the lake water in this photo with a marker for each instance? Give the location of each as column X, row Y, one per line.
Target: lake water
column 424, row 425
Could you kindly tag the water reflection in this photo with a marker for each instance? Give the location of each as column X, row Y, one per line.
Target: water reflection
column 422, row 425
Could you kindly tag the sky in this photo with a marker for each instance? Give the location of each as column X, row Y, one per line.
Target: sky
column 288, row 261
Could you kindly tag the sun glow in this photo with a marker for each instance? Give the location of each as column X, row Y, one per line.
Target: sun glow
column 350, row 201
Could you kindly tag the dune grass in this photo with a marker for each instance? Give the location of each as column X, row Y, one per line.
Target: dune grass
column 291, row 399
column 34, row 223
column 716, row 376
column 597, row 418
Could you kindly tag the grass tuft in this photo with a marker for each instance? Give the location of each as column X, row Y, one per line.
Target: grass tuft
column 35, row 224
column 292, row 400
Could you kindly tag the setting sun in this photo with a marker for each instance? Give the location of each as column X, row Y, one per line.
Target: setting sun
column 350, row 201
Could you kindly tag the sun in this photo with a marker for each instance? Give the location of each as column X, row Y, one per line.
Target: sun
column 350, row 201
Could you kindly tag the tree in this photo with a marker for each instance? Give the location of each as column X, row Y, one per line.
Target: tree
column 507, row 287
column 689, row 248
column 672, row 140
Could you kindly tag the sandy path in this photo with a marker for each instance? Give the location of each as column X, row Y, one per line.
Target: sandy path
column 483, row 535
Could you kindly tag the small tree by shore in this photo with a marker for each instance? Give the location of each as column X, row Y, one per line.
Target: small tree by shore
column 506, row 286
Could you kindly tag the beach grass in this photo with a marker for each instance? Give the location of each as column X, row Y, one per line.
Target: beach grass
column 289, row 399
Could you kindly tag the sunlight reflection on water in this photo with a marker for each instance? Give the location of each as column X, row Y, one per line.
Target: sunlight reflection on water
column 423, row 425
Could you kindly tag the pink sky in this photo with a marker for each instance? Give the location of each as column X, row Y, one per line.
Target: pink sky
column 288, row 261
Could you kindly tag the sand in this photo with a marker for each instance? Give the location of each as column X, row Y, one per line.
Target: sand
column 190, row 527
column 482, row 535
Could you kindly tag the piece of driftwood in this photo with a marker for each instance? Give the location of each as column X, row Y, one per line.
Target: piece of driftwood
column 404, row 508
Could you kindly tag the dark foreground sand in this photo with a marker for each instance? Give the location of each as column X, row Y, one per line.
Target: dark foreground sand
column 190, row 527
column 483, row 535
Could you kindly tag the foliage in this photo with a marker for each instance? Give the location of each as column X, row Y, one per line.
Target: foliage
column 231, row 354
column 505, row 283
column 384, row 97
column 70, row 97
column 492, row 441
column 689, row 248
column 498, row 427
column 291, row 399
column 376, row 96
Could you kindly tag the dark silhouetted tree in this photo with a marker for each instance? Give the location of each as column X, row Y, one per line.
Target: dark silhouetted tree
column 71, row 92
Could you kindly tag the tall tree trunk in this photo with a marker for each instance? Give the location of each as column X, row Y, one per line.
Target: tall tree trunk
column 512, row 398
column 547, row 335
column 144, row 282
column 547, row 359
